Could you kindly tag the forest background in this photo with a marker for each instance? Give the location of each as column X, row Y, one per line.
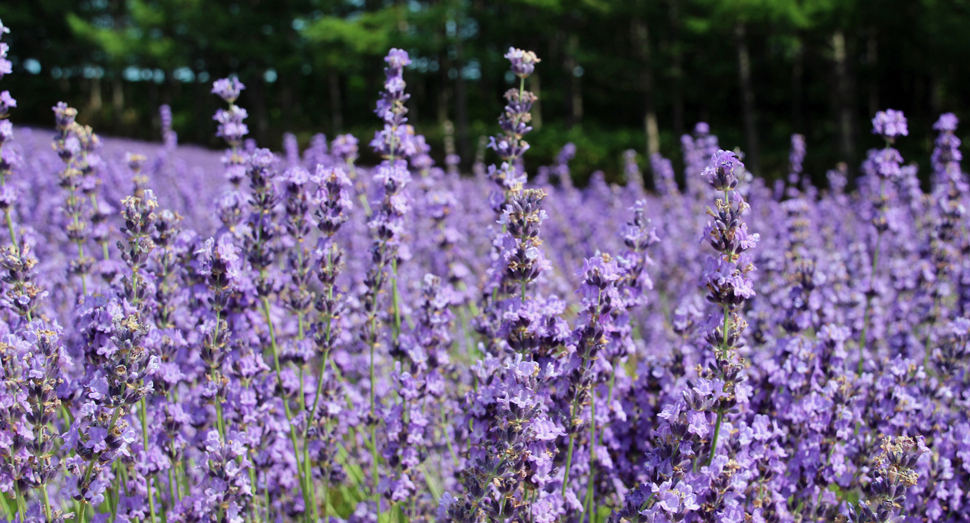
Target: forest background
column 614, row 75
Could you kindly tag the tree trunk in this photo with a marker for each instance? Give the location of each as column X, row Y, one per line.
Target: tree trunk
column 201, row 130
column 872, row 60
column 641, row 35
column 117, row 101
column 444, row 91
column 676, row 69
column 287, row 96
column 747, row 101
column 155, row 120
column 95, row 104
column 461, row 107
column 336, row 110
column 843, row 96
column 573, row 69
column 797, row 77
column 417, row 96
column 257, row 101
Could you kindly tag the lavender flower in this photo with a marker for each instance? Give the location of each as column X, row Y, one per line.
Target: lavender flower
column 795, row 159
column 396, row 140
column 514, row 122
column 946, row 156
column 890, row 124
column 6, row 103
column 256, row 352
column 663, row 172
column 228, row 89
column 231, row 127
column 6, row 67
column 169, row 137
column 523, row 62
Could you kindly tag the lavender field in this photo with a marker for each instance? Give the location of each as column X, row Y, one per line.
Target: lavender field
column 251, row 336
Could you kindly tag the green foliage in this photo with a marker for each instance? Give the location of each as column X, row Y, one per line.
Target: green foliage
column 315, row 65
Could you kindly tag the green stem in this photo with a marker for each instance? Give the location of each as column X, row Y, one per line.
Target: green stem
column 21, row 502
column 6, row 506
column 220, row 421
column 171, row 488
column 372, row 341
column 374, row 472
column 609, row 401
column 116, row 413
column 717, row 432
column 13, row 234
column 80, row 244
column 326, row 354
column 252, row 482
column 724, row 338
column 592, row 455
column 396, row 331
column 569, row 461
column 266, row 495
column 299, row 317
column 144, row 434
column 308, row 470
column 286, row 404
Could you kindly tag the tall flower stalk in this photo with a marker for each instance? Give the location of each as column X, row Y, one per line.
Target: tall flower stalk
column 394, row 143
column 726, row 277
column 885, row 165
column 68, row 145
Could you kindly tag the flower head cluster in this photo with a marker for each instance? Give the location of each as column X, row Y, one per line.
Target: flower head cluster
column 514, row 122
column 663, row 172
column 169, row 137
column 387, row 222
column 523, row 62
column 229, row 489
column 890, row 124
column 723, row 172
column 420, row 383
column 139, row 216
column 726, row 275
column 344, row 147
column 885, row 165
column 638, row 235
column 333, row 205
column 796, row 159
column 895, row 473
column 5, row 66
column 228, row 89
column 76, row 145
column 946, row 156
column 332, row 199
column 511, row 432
column 698, row 151
column 231, row 127
column 522, row 218
column 396, row 139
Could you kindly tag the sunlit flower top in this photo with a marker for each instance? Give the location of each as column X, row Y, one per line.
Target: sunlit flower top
column 523, row 62
column 890, row 124
column 228, row 88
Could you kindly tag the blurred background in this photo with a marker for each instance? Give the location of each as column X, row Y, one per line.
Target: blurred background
column 614, row 75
